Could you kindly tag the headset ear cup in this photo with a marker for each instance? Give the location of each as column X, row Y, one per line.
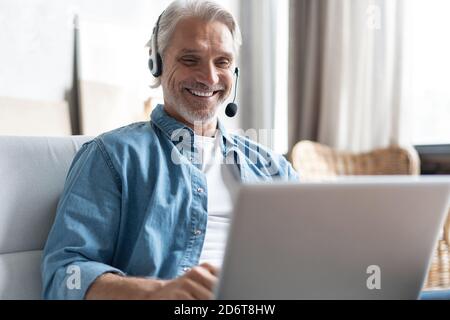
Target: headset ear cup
column 152, row 62
column 159, row 65
column 155, row 61
column 150, row 65
column 155, row 68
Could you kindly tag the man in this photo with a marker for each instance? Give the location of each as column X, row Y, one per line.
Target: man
column 145, row 208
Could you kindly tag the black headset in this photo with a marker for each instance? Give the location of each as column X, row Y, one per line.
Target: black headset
column 155, row 61
column 155, row 65
column 232, row 107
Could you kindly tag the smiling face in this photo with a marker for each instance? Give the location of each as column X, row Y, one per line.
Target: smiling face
column 198, row 70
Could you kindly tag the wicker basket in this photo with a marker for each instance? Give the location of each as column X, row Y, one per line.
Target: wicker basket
column 315, row 161
column 439, row 273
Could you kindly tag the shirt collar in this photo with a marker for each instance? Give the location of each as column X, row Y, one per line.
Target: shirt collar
column 169, row 125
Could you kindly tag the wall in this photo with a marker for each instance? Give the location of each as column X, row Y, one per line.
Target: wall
column 36, row 40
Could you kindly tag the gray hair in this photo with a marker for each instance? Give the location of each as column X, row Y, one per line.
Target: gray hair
column 205, row 10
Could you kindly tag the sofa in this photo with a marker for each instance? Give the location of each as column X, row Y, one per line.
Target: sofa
column 32, row 175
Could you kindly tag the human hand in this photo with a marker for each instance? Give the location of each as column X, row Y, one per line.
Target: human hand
column 196, row 284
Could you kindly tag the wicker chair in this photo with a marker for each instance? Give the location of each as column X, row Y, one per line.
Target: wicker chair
column 315, row 161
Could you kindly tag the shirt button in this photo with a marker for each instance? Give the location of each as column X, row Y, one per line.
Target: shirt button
column 200, row 190
column 186, row 269
column 198, row 232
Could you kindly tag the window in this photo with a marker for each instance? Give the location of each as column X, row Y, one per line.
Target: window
column 430, row 77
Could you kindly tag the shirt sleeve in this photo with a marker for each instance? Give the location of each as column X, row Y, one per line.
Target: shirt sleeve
column 81, row 243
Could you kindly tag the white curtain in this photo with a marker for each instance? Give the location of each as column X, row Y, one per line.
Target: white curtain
column 354, row 75
column 257, row 83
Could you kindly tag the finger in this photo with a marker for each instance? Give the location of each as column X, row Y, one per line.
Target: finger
column 203, row 277
column 184, row 295
column 196, row 290
column 214, row 270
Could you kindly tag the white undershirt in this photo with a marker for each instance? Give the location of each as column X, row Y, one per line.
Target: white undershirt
column 221, row 183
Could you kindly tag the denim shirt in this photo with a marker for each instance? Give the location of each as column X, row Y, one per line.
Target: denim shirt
column 135, row 204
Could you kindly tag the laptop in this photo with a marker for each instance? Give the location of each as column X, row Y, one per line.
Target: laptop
column 354, row 238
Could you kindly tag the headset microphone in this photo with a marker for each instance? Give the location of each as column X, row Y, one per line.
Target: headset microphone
column 232, row 107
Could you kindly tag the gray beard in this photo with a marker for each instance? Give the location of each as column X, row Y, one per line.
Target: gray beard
column 193, row 116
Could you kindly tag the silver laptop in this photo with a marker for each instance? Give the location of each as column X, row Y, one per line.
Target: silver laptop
column 356, row 238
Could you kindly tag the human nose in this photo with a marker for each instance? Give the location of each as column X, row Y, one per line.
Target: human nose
column 209, row 75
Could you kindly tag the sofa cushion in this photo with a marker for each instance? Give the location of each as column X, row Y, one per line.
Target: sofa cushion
column 20, row 276
column 32, row 175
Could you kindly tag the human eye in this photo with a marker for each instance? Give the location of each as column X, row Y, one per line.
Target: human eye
column 189, row 60
column 223, row 63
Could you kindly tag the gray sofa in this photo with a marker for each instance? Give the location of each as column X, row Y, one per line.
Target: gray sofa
column 32, row 175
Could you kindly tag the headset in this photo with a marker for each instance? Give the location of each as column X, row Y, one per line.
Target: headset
column 155, row 61
column 232, row 107
column 155, row 65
